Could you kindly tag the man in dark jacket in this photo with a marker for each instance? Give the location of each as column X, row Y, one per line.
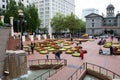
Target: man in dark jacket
column 111, row 50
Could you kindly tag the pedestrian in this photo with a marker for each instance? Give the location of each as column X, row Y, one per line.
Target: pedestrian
column 111, row 50
column 82, row 54
column 47, row 56
column 57, row 54
column 28, row 50
column 111, row 37
column 100, row 51
column 32, row 47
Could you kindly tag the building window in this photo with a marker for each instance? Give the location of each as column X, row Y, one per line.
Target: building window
column 109, row 20
column 3, row 6
column 3, row 0
column 114, row 20
column 92, row 24
column 92, row 20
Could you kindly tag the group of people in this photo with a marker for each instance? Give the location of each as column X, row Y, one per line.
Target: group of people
column 57, row 55
column 31, row 48
column 113, row 50
column 102, row 41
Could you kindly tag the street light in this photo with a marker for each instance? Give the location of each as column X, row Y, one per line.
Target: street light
column 21, row 17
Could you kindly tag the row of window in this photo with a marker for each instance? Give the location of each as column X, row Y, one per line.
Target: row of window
column 106, row 20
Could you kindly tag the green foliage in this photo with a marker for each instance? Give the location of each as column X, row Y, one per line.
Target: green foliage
column 12, row 10
column 70, row 22
column 30, row 14
column 1, row 11
column 58, row 23
column 1, row 23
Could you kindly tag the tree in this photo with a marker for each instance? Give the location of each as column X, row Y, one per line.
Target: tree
column 31, row 15
column 1, row 11
column 11, row 10
column 73, row 23
column 57, row 22
column 70, row 22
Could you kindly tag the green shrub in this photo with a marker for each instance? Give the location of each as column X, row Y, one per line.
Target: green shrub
column 1, row 23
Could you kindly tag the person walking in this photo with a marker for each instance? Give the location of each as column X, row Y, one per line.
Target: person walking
column 57, row 54
column 28, row 50
column 32, row 47
column 111, row 50
column 47, row 56
column 82, row 54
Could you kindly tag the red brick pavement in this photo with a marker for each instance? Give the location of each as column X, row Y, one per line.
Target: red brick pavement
column 111, row 62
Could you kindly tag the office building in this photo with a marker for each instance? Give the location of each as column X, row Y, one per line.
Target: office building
column 48, row 8
column 87, row 11
column 97, row 24
column 3, row 3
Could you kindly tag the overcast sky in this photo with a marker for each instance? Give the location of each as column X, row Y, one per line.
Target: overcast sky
column 97, row 4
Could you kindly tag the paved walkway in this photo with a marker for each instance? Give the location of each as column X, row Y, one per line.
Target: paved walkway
column 111, row 62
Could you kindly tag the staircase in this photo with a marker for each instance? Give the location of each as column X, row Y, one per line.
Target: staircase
column 4, row 35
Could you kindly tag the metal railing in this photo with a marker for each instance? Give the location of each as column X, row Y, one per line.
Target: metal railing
column 101, row 70
column 77, row 73
column 51, row 71
column 47, row 61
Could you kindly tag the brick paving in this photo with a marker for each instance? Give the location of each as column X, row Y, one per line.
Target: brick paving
column 111, row 62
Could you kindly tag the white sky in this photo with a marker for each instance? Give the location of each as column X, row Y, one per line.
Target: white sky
column 97, row 4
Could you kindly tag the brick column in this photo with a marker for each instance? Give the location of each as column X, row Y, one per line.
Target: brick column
column 11, row 22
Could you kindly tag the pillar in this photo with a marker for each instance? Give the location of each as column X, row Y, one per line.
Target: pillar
column 50, row 31
column 2, row 18
column 11, row 22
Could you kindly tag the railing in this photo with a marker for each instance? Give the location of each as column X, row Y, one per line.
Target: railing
column 46, row 61
column 102, row 70
column 51, row 71
column 77, row 73
column 93, row 67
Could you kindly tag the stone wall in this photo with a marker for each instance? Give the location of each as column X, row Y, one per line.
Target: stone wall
column 4, row 34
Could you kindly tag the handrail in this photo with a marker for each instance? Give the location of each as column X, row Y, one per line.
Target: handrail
column 83, row 64
column 49, row 71
column 47, row 60
column 114, row 75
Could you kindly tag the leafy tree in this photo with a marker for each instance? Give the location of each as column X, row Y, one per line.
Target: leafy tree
column 70, row 22
column 58, row 22
column 1, row 24
column 11, row 10
column 31, row 15
column 82, row 26
column 73, row 23
column 1, row 11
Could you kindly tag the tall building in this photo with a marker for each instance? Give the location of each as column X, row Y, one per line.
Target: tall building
column 3, row 3
column 87, row 11
column 48, row 8
column 98, row 24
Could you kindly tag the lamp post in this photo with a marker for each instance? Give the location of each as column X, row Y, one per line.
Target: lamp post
column 21, row 16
